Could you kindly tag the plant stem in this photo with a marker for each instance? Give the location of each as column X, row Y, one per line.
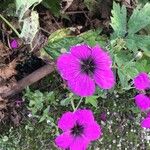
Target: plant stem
column 72, row 104
column 78, row 104
column 17, row 33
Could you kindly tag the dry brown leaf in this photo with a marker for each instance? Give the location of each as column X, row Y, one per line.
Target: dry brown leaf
column 8, row 71
column 3, row 103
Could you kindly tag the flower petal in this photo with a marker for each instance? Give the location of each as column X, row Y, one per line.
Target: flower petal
column 84, row 116
column 82, row 85
column 64, row 140
column 142, row 81
column 146, row 123
column 79, row 143
column 68, row 66
column 82, row 51
column 104, row 79
column 102, row 58
column 67, row 121
column 92, row 131
column 142, row 101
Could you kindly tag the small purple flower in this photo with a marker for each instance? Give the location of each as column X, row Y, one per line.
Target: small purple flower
column 14, row 43
column 142, row 81
column 103, row 116
column 84, row 66
column 79, row 129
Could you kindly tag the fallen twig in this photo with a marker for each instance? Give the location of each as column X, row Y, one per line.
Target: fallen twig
column 30, row 79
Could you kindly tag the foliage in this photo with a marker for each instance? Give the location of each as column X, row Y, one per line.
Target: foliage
column 139, row 19
column 40, row 104
column 61, row 40
column 126, row 41
column 54, row 6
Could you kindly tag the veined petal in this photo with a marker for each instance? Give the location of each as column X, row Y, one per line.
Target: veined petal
column 68, row 66
column 82, row 51
column 64, row 140
column 92, row 131
column 67, row 121
column 146, row 123
column 142, row 101
column 101, row 58
column 82, row 85
column 79, row 143
column 104, row 78
column 84, row 116
column 142, row 81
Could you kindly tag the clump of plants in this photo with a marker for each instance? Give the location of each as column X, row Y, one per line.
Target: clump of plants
column 97, row 82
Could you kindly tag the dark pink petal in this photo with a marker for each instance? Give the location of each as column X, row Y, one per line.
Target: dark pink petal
column 79, row 143
column 64, row 140
column 142, row 101
column 146, row 123
column 101, row 58
column 142, row 81
column 92, row 131
column 85, row 116
column 82, row 85
column 68, row 66
column 67, row 121
column 81, row 51
column 104, row 79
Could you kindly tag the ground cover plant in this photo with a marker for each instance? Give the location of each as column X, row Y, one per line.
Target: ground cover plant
column 74, row 75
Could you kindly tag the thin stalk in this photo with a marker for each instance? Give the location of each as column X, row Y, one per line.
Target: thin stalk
column 78, row 104
column 72, row 104
column 17, row 33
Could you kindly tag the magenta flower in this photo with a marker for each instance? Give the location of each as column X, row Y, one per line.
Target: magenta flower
column 84, row 66
column 146, row 123
column 142, row 101
column 142, row 81
column 14, row 43
column 79, row 129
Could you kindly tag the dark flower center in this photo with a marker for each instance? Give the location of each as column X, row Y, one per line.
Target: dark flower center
column 77, row 130
column 147, row 91
column 88, row 66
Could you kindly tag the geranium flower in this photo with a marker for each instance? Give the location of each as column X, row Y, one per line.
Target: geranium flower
column 79, row 129
column 84, row 66
column 146, row 122
column 142, row 82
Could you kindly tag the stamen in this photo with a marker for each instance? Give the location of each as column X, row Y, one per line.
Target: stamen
column 77, row 130
column 88, row 66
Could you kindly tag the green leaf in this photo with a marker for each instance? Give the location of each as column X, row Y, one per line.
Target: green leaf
column 135, row 42
column 23, row 5
column 91, row 100
column 119, row 20
column 65, row 102
column 53, row 5
column 139, row 19
column 61, row 40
